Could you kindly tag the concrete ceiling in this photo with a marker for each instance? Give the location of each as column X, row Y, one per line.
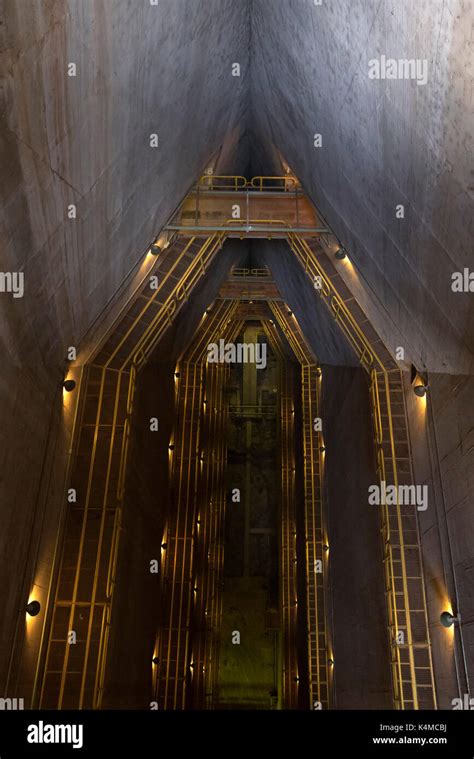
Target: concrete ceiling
column 384, row 143
column 85, row 140
column 167, row 69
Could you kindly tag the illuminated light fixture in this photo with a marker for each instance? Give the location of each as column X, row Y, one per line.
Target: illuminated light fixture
column 325, row 547
column 290, row 313
column 420, row 390
column 195, row 590
column 155, row 249
column 322, row 448
column 340, row 254
column 208, row 310
column 447, row 619
column 297, row 679
column 33, row 608
column 171, row 447
column 164, row 546
column 319, row 372
column 331, row 662
column 69, row 385
column 155, row 660
column 192, row 665
column 419, row 382
column 176, row 374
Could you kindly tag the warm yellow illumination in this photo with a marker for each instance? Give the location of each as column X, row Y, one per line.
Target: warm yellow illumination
column 31, row 621
column 70, row 398
column 347, row 263
column 423, row 401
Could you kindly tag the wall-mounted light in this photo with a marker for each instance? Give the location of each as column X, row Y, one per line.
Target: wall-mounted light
column 33, row 608
column 319, row 372
column 325, row 547
column 171, row 447
column 340, row 254
column 69, row 385
column 322, row 448
column 155, row 249
column 290, row 313
column 420, row 389
column 176, row 374
column 155, row 660
column 331, row 662
column 447, row 619
column 164, row 546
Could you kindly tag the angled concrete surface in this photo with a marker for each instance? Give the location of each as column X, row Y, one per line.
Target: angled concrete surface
column 384, row 143
column 166, row 69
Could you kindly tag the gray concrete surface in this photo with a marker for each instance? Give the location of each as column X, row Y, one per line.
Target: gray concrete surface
column 385, row 142
column 166, row 69
column 362, row 678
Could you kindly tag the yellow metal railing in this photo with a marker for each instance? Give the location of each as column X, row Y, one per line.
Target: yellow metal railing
column 222, row 182
column 93, row 528
column 404, row 606
column 319, row 646
column 242, row 272
column 272, row 184
column 238, row 183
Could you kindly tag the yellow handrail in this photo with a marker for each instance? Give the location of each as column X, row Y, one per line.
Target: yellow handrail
column 231, row 182
column 265, row 183
column 238, row 183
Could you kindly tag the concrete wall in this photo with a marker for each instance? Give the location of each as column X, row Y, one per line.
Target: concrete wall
column 362, row 677
column 443, row 451
column 128, row 683
column 84, row 140
column 385, row 142
column 319, row 328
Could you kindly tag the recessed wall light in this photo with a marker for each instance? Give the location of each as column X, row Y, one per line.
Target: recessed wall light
column 33, row 608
